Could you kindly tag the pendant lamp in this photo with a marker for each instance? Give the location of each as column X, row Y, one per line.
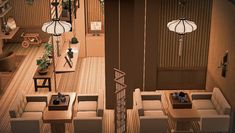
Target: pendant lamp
column 181, row 26
column 55, row 26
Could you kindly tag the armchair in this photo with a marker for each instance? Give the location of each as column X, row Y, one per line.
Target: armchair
column 151, row 114
column 214, row 110
column 26, row 113
column 89, row 116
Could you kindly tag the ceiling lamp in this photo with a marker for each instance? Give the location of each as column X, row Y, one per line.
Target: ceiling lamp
column 182, row 26
column 56, row 27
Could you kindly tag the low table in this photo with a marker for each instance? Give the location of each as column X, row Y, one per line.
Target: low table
column 45, row 78
column 183, row 118
column 58, row 118
column 61, row 105
column 177, row 104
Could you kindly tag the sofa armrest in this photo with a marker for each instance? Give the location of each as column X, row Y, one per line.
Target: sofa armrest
column 201, row 95
column 138, row 102
column 100, row 106
column 87, row 97
column 218, row 123
column 37, row 98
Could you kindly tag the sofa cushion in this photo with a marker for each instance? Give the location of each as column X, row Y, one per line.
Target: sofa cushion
column 87, row 106
column 153, row 113
column 203, row 104
column 82, row 114
column 34, row 115
column 152, row 105
column 35, row 107
column 210, row 112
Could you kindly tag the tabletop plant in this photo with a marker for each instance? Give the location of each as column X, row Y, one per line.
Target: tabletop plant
column 42, row 63
column 48, row 49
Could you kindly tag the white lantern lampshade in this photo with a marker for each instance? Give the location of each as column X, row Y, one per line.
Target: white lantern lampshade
column 56, row 27
column 182, row 26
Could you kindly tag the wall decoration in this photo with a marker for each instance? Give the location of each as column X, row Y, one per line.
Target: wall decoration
column 224, row 64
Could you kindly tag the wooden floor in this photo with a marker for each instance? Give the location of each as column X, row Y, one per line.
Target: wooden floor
column 88, row 78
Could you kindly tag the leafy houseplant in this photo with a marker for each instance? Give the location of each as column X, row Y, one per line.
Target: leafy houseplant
column 48, row 49
column 42, row 65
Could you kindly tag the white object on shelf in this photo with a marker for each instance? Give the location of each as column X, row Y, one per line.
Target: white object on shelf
column 96, row 25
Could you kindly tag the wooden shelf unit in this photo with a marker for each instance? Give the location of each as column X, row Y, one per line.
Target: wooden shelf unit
column 12, row 33
column 61, row 67
column 4, row 4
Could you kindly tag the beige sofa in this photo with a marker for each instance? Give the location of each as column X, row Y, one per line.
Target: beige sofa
column 151, row 114
column 26, row 113
column 214, row 110
column 89, row 116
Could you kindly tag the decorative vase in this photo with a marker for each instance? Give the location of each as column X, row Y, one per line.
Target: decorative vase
column 70, row 53
column 74, row 40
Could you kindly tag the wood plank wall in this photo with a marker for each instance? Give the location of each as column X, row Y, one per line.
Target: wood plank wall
column 195, row 44
column 191, row 67
column 111, row 52
column 161, row 45
column 30, row 17
column 94, row 12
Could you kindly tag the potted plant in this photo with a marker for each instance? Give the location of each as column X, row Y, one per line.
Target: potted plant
column 48, row 50
column 42, row 65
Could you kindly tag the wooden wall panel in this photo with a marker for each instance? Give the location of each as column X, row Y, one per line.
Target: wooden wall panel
column 111, row 50
column 131, row 52
column 30, row 18
column 222, row 39
column 27, row 16
column 152, row 31
column 195, row 44
column 181, row 79
column 94, row 12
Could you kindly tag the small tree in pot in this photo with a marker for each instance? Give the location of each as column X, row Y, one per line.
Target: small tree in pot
column 42, row 65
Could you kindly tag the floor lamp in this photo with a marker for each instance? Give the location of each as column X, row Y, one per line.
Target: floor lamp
column 55, row 28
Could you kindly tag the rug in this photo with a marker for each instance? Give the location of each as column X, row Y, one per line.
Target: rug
column 6, row 77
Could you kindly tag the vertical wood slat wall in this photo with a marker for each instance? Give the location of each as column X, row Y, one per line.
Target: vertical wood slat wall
column 94, row 12
column 27, row 16
column 195, row 44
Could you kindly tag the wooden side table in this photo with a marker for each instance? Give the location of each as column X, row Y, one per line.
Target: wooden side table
column 46, row 79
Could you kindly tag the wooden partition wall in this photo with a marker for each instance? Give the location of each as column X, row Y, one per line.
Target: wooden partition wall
column 149, row 51
column 94, row 12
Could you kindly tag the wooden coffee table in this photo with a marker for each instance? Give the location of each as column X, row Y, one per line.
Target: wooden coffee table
column 183, row 118
column 58, row 118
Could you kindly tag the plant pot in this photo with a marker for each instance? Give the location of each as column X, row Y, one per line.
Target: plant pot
column 42, row 72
